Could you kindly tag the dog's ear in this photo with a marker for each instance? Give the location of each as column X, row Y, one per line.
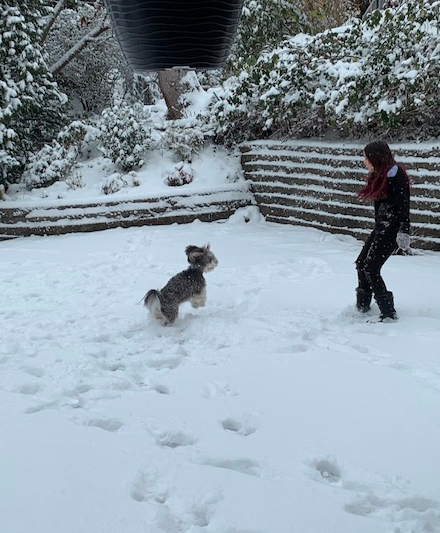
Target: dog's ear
column 194, row 253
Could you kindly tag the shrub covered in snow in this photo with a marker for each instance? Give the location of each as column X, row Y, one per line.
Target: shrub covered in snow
column 113, row 183
column 29, row 99
column 75, row 180
column 186, row 137
column 264, row 24
column 125, row 135
column 52, row 163
column 182, row 174
column 78, row 134
column 56, row 161
column 380, row 75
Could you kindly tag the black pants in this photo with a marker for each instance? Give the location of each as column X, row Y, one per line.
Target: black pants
column 378, row 248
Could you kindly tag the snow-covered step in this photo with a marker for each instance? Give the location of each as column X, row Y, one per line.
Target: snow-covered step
column 58, row 218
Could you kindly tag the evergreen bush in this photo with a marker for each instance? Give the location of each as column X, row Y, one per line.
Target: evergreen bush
column 52, row 163
column 125, row 135
column 56, row 161
column 186, row 138
column 30, row 102
column 377, row 76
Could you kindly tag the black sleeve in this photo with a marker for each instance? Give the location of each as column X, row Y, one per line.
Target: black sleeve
column 398, row 195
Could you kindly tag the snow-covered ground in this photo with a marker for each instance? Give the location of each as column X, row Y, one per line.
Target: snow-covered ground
column 213, row 166
column 274, row 409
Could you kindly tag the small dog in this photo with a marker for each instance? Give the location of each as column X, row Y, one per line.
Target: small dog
column 187, row 286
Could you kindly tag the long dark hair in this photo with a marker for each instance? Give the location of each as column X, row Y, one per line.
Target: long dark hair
column 382, row 159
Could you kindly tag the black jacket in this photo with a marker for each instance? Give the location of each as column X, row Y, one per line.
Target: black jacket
column 393, row 212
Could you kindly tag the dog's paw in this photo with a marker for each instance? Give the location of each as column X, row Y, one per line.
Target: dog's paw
column 196, row 303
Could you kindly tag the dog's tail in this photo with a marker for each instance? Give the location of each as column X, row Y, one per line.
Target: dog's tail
column 152, row 300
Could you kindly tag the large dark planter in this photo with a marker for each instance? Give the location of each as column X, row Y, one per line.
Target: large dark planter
column 161, row 34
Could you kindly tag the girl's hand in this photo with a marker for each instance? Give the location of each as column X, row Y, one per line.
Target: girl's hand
column 403, row 241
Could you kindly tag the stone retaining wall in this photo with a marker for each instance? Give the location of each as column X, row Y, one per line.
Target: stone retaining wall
column 315, row 184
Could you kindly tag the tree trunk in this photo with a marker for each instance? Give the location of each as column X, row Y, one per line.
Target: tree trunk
column 174, row 83
column 171, row 87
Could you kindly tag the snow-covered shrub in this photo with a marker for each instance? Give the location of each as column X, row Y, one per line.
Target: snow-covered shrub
column 78, row 134
column 113, row 183
column 185, row 138
column 125, row 135
column 52, row 163
column 145, row 88
column 56, row 161
column 380, row 76
column 75, row 180
column 182, row 174
column 321, row 15
column 30, row 102
column 133, row 179
column 264, row 24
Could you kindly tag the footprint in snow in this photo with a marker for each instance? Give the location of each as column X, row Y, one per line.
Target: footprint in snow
column 42, row 406
column 33, row 371
column 161, row 389
column 328, row 470
column 410, row 513
column 195, row 515
column 242, row 466
column 218, row 389
column 149, row 487
column 194, row 512
column 28, row 388
column 243, row 427
column 175, row 439
column 107, row 424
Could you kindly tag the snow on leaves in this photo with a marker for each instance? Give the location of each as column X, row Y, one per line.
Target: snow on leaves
column 29, row 98
column 377, row 75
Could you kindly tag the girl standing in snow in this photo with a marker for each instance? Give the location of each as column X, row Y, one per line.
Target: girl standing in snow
column 388, row 186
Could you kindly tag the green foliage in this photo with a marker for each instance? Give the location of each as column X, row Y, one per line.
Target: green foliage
column 264, row 24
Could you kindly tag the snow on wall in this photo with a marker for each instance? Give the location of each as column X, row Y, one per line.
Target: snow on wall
column 314, row 183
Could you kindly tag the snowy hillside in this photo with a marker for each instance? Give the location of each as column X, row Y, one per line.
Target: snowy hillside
column 274, row 409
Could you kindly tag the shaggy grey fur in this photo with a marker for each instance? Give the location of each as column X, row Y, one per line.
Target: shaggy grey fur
column 187, row 286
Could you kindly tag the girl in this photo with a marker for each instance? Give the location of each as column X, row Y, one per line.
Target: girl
column 388, row 186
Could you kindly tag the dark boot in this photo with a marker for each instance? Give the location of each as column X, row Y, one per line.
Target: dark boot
column 385, row 302
column 363, row 300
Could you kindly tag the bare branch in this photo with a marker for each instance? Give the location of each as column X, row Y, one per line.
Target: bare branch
column 56, row 11
column 79, row 46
